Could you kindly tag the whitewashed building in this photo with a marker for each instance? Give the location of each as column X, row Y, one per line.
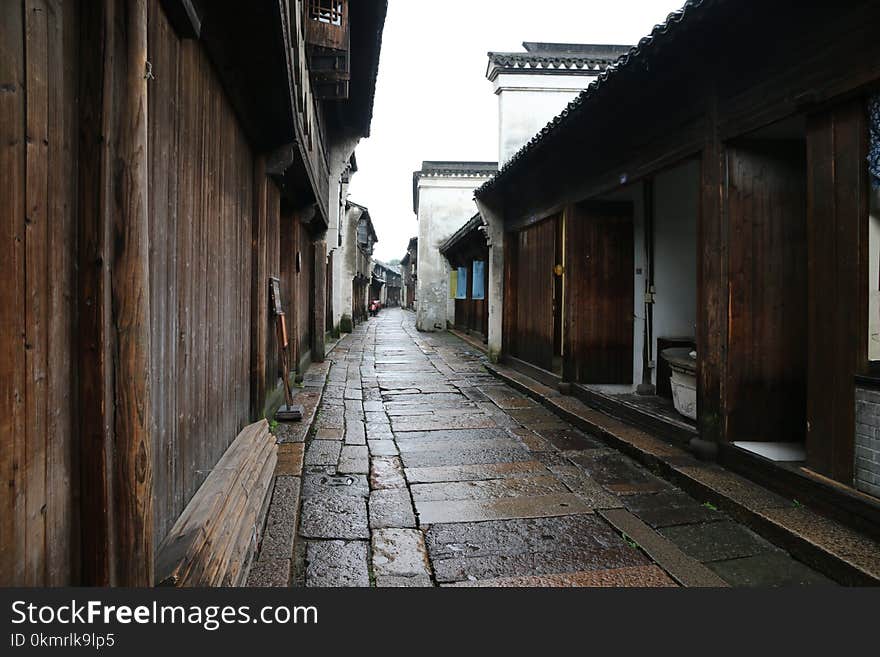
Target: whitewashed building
column 532, row 87
column 536, row 85
column 443, row 200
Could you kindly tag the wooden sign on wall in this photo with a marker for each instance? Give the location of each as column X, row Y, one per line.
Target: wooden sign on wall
column 275, row 296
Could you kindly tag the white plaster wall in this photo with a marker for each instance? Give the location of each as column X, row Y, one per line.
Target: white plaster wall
column 337, row 253
column 527, row 103
column 339, row 156
column 347, row 262
column 676, row 208
column 494, row 221
column 445, row 205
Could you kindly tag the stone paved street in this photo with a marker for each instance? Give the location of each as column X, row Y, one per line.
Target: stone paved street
column 422, row 469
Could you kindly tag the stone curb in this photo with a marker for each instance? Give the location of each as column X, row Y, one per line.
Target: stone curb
column 829, row 547
column 273, row 566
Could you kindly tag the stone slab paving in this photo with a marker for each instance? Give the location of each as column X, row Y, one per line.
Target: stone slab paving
column 539, row 506
column 422, row 470
column 638, row 577
column 337, row 564
column 391, row 509
column 323, row 452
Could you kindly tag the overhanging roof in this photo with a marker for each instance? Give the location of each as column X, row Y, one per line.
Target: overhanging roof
column 365, row 214
column 676, row 24
column 354, row 115
column 471, row 227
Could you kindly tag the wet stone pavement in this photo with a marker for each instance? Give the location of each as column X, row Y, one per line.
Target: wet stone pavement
column 422, row 469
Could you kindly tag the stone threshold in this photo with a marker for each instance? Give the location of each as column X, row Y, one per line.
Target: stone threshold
column 273, row 566
column 844, row 555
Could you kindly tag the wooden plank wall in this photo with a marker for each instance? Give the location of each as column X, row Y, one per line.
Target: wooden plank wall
column 837, row 219
column 599, row 296
column 532, row 328
column 266, row 263
column 38, row 193
column 767, row 354
column 473, row 314
column 202, row 199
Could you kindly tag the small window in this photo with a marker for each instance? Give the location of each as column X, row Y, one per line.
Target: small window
column 479, row 284
column 461, row 287
column 326, row 11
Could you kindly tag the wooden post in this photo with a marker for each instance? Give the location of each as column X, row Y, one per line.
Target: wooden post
column 131, row 314
column 712, row 284
column 259, row 290
column 319, row 307
column 95, row 400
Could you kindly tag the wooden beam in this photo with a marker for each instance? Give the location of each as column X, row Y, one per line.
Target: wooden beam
column 281, row 159
column 12, row 293
column 259, row 289
column 712, row 284
column 95, row 395
column 319, row 305
column 185, row 18
column 131, row 313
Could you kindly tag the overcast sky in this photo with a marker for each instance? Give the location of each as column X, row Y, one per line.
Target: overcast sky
column 433, row 101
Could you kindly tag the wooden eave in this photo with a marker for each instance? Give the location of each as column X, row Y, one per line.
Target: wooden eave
column 245, row 43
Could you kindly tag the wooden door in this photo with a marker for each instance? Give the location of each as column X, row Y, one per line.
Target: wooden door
column 837, row 224
column 599, row 300
column 767, row 325
column 532, row 330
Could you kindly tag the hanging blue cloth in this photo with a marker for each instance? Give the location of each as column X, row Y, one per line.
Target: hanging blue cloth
column 874, row 145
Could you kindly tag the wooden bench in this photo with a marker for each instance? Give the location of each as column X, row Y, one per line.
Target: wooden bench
column 214, row 539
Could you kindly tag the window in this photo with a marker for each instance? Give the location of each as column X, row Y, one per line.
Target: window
column 479, row 284
column 461, row 287
column 326, row 11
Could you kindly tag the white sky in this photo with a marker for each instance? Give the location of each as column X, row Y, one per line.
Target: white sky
column 433, row 101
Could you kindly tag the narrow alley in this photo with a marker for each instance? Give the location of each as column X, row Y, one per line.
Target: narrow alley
column 422, row 469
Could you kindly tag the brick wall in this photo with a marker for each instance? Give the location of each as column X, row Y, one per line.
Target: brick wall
column 867, row 477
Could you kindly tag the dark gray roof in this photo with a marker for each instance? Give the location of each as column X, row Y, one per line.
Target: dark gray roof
column 581, row 58
column 473, row 224
column 434, row 168
column 388, row 268
column 365, row 216
column 675, row 24
column 449, row 168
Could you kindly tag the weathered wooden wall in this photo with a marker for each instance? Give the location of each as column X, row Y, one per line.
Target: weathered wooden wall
column 265, row 264
column 38, row 237
column 201, row 212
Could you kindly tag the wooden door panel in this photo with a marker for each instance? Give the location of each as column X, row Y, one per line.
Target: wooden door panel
column 533, row 315
column 837, row 220
column 599, row 282
column 766, row 395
